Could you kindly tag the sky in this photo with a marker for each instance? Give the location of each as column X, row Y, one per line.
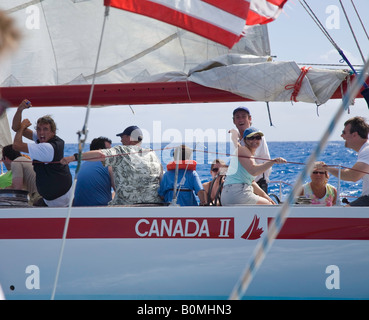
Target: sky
column 293, row 36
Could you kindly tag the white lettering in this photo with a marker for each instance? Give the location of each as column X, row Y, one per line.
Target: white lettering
column 182, row 228
column 187, row 227
column 206, row 309
column 154, row 228
column 33, row 280
column 333, row 280
column 168, row 229
column 33, row 18
column 144, row 234
column 224, row 228
column 333, row 20
column 198, row 137
column 204, row 229
column 178, row 229
column 154, row 310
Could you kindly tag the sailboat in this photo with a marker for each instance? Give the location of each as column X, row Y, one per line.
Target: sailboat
column 167, row 252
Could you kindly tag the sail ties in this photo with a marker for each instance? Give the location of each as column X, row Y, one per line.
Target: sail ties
column 297, row 86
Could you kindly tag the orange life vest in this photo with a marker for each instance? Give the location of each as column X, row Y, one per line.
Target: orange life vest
column 182, row 164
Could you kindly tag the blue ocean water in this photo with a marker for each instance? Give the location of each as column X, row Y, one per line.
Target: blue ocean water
column 283, row 176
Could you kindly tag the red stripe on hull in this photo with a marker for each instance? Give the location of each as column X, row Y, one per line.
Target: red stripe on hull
column 118, row 228
column 177, row 227
column 324, row 229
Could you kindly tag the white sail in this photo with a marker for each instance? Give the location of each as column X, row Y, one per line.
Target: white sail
column 61, row 40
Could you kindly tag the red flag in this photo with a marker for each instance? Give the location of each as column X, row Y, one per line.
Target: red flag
column 222, row 21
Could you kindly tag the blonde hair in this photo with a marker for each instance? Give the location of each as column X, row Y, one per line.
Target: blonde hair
column 317, row 163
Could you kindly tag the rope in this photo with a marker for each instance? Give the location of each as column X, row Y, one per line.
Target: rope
column 297, row 86
column 197, row 150
column 174, row 200
column 81, row 146
column 277, row 223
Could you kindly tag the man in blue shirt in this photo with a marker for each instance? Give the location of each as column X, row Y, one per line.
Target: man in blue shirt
column 95, row 182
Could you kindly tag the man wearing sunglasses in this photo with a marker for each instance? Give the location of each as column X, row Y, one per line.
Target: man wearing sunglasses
column 242, row 120
column 355, row 134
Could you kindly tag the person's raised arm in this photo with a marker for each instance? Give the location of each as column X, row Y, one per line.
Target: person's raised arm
column 18, row 144
column 17, row 119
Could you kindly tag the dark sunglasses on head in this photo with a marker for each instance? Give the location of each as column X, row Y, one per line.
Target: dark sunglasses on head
column 318, row 172
column 254, row 137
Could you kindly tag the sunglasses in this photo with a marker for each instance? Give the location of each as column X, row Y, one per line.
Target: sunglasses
column 215, row 169
column 318, row 172
column 254, row 138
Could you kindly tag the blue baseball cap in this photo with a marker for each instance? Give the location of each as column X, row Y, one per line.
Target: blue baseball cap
column 133, row 131
column 241, row 109
column 249, row 132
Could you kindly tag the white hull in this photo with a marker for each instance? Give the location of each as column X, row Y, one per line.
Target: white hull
column 191, row 253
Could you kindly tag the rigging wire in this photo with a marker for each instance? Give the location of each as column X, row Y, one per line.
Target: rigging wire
column 318, row 23
column 326, row 33
column 361, row 22
column 81, row 144
column 277, row 223
column 352, row 31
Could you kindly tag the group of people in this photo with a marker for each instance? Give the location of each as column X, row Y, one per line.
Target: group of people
column 129, row 174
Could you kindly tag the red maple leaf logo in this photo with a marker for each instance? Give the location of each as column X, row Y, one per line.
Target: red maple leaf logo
column 253, row 232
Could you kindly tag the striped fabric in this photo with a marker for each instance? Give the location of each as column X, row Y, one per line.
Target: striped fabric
column 218, row 20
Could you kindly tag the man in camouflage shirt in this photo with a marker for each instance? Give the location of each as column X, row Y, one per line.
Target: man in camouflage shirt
column 137, row 171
